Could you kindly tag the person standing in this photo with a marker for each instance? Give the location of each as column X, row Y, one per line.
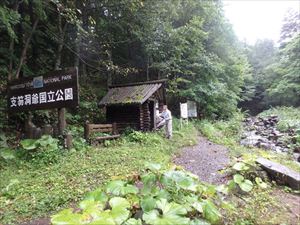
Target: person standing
column 167, row 117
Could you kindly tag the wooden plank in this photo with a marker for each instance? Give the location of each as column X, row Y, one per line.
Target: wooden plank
column 107, row 137
column 97, row 126
column 102, row 130
column 280, row 173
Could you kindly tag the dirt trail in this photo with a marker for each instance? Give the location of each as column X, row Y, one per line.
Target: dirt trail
column 205, row 160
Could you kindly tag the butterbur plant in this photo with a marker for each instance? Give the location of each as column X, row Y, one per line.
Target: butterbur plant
column 242, row 178
column 159, row 196
column 44, row 150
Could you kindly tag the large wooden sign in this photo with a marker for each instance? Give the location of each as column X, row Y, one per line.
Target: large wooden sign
column 58, row 89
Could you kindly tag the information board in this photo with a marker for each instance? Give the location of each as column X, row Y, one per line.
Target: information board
column 57, row 89
column 183, row 110
column 192, row 109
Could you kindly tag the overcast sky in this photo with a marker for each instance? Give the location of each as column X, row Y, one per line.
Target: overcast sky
column 258, row 19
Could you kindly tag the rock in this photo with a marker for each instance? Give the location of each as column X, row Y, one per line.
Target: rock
column 296, row 156
column 262, row 133
column 264, row 145
column 281, row 174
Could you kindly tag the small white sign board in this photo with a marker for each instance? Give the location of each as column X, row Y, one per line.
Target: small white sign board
column 192, row 109
column 184, row 110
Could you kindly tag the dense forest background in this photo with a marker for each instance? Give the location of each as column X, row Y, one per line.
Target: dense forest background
column 188, row 42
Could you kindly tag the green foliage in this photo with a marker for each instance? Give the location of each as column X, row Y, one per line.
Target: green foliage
column 47, row 188
column 142, row 138
column 6, row 154
column 289, row 117
column 8, row 18
column 172, row 196
column 44, row 150
column 225, row 132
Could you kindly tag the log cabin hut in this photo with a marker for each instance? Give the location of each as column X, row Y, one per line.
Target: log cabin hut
column 134, row 105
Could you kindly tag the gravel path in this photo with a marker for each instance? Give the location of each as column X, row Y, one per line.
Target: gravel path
column 205, row 160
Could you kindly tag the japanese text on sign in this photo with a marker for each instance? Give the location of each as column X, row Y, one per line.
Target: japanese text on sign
column 42, row 97
column 55, row 90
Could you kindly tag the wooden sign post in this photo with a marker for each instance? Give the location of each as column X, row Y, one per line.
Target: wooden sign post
column 57, row 89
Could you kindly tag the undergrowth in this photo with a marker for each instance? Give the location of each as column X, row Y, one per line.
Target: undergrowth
column 28, row 191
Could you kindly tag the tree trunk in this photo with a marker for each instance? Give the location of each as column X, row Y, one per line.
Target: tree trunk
column 61, row 42
column 77, row 50
column 11, row 48
column 25, row 48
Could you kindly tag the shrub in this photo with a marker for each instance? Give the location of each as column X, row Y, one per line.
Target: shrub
column 44, row 150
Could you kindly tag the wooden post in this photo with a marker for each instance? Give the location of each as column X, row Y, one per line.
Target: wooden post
column 114, row 127
column 86, row 131
column 154, row 115
column 68, row 141
column 61, row 120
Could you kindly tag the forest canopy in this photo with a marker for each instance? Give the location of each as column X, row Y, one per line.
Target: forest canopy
column 188, row 42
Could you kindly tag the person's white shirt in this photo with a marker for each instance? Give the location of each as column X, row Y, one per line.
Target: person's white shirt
column 166, row 115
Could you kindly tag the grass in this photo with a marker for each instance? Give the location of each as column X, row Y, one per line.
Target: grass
column 28, row 191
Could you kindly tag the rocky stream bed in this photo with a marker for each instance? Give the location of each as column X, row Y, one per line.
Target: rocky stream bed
column 263, row 133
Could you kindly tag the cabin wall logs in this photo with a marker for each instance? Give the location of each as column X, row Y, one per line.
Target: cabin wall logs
column 124, row 115
column 134, row 116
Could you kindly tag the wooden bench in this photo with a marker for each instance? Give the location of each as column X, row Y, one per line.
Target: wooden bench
column 90, row 129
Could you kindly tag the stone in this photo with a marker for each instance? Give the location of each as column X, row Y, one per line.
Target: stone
column 281, row 174
column 296, row 156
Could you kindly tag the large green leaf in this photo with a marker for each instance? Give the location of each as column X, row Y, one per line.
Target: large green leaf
column 29, row 144
column 246, row 185
column 181, row 179
column 7, row 154
column 97, row 195
column 238, row 178
column 119, row 202
column 120, row 188
column 153, row 166
column 3, row 141
column 104, row 218
column 171, row 213
column 149, row 179
column 119, row 211
column 240, row 166
column 148, row 204
column 211, row 212
column 67, row 217
column 91, row 206
column 46, row 140
column 198, row 206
